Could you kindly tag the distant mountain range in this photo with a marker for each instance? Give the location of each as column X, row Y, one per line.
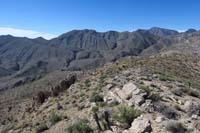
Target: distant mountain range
column 23, row 60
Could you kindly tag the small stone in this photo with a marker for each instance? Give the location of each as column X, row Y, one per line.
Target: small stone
column 194, row 117
column 87, row 104
column 180, row 102
column 155, row 76
column 109, row 86
column 159, row 119
column 148, row 106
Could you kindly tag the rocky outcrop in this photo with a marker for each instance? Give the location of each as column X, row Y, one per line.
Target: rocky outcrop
column 140, row 125
column 129, row 94
column 54, row 91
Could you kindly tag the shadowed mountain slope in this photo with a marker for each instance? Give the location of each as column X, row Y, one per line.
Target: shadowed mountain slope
column 23, row 60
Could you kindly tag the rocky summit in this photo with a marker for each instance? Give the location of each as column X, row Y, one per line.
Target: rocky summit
column 84, row 81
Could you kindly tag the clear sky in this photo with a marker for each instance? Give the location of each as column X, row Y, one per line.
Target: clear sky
column 54, row 17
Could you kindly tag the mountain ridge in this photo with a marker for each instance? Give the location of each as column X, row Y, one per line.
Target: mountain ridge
column 80, row 50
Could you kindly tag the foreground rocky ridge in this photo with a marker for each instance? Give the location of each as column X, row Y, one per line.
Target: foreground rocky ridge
column 156, row 94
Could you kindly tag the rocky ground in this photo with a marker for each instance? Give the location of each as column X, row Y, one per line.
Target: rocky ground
column 155, row 94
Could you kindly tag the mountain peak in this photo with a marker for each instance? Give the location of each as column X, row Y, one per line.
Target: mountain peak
column 162, row 31
column 191, row 30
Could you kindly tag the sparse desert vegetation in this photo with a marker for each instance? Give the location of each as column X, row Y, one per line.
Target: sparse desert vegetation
column 130, row 94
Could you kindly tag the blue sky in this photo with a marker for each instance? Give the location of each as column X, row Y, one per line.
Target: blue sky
column 50, row 18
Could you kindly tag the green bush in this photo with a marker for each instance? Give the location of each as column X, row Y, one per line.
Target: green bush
column 150, row 94
column 147, row 89
column 95, row 109
column 126, row 115
column 101, row 104
column 55, row 118
column 80, row 127
column 87, row 82
column 96, row 98
column 165, row 78
column 155, row 97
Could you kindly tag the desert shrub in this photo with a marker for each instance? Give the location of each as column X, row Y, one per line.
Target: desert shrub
column 95, row 109
column 178, row 92
column 80, row 107
column 6, row 128
column 102, row 78
column 177, row 107
column 59, row 106
column 54, row 118
column 191, row 92
column 101, row 104
column 155, row 97
column 194, row 109
column 189, row 84
column 147, row 89
column 80, row 127
column 42, row 96
column 41, row 128
column 167, row 111
column 163, row 77
column 175, row 127
column 153, row 85
column 68, row 82
column 114, row 103
column 96, row 98
column 141, row 82
column 55, row 91
column 74, row 96
column 150, row 94
column 126, row 115
column 87, row 83
column 82, row 94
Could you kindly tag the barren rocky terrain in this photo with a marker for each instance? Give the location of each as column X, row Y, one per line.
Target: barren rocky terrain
column 160, row 93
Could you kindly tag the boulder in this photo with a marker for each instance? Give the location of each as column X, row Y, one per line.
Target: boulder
column 140, row 125
column 136, row 100
column 128, row 90
column 113, row 96
column 187, row 105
